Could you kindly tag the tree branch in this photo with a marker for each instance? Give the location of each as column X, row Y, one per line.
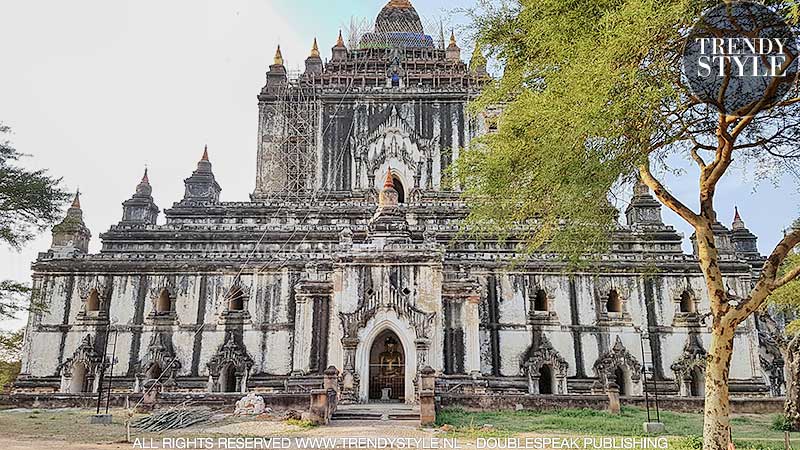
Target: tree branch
column 766, row 282
column 665, row 196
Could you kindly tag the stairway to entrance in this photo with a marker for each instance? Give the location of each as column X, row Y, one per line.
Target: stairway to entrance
column 376, row 412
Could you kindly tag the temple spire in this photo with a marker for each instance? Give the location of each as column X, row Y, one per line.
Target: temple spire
column 399, row 4
column 278, row 60
column 745, row 243
column 76, row 202
column 453, row 52
column 315, row 49
column 205, row 154
column 145, row 178
column 339, row 51
column 71, row 236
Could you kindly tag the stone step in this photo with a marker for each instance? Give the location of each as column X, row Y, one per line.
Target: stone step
column 375, row 412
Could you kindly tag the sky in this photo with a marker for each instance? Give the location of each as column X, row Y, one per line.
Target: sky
column 97, row 90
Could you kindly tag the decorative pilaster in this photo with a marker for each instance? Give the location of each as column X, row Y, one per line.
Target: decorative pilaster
column 310, row 293
column 472, row 338
column 350, row 378
column 304, row 314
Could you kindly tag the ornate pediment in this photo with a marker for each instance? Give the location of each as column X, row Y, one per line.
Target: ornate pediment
column 393, row 139
column 545, row 355
column 160, row 353
column 99, row 284
column 617, row 358
column 230, row 353
column 693, row 356
column 85, row 354
column 397, row 301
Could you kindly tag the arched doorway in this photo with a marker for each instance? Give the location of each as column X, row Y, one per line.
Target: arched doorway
column 155, row 372
column 398, row 186
column 387, row 364
column 546, row 380
column 227, row 379
column 697, row 383
column 621, row 380
column 78, row 382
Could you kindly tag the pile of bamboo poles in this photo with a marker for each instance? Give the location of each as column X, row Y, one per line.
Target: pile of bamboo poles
column 172, row 419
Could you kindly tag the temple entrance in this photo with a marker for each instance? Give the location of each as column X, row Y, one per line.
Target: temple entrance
column 387, row 368
column 545, row 380
column 621, row 380
column 78, row 383
column 697, row 383
column 227, row 379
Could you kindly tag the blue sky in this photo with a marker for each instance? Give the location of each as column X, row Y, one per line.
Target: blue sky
column 95, row 90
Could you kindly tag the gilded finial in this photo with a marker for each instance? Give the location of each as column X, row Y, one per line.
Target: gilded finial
column 278, row 60
column 452, row 39
column 205, row 154
column 145, row 179
column 315, row 49
column 340, row 40
column 398, row 4
column 736, row 215
column 76, row 202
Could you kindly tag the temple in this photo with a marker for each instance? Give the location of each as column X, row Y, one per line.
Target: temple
column 348, row 254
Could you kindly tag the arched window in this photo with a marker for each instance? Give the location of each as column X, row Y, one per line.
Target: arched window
column 398, row 186
column 236, row 300
column 613, row 302
column 164, row 303
column 93, row 301
column 687, row 302
column 540, row 300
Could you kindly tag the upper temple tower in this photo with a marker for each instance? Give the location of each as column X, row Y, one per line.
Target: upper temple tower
column 386, row 98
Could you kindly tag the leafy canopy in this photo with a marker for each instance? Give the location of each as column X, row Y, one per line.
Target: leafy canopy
column 29, row 202
column 591, row 89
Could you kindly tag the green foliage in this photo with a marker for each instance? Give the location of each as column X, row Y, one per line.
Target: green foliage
column 30, row 201
column 589, row 422
column 568, row 420
column 305, row 424
column 787, row 297
column 691, row 442
column 590, row 91
column 10, row 357
column 781, row 423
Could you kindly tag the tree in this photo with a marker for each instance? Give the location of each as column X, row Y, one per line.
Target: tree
column 30, row 201
column 10, row 357
column 787, row 301
column 593, row 98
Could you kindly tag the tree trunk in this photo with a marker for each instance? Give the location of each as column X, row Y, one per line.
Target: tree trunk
column 716, row 426
column 792, row 376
